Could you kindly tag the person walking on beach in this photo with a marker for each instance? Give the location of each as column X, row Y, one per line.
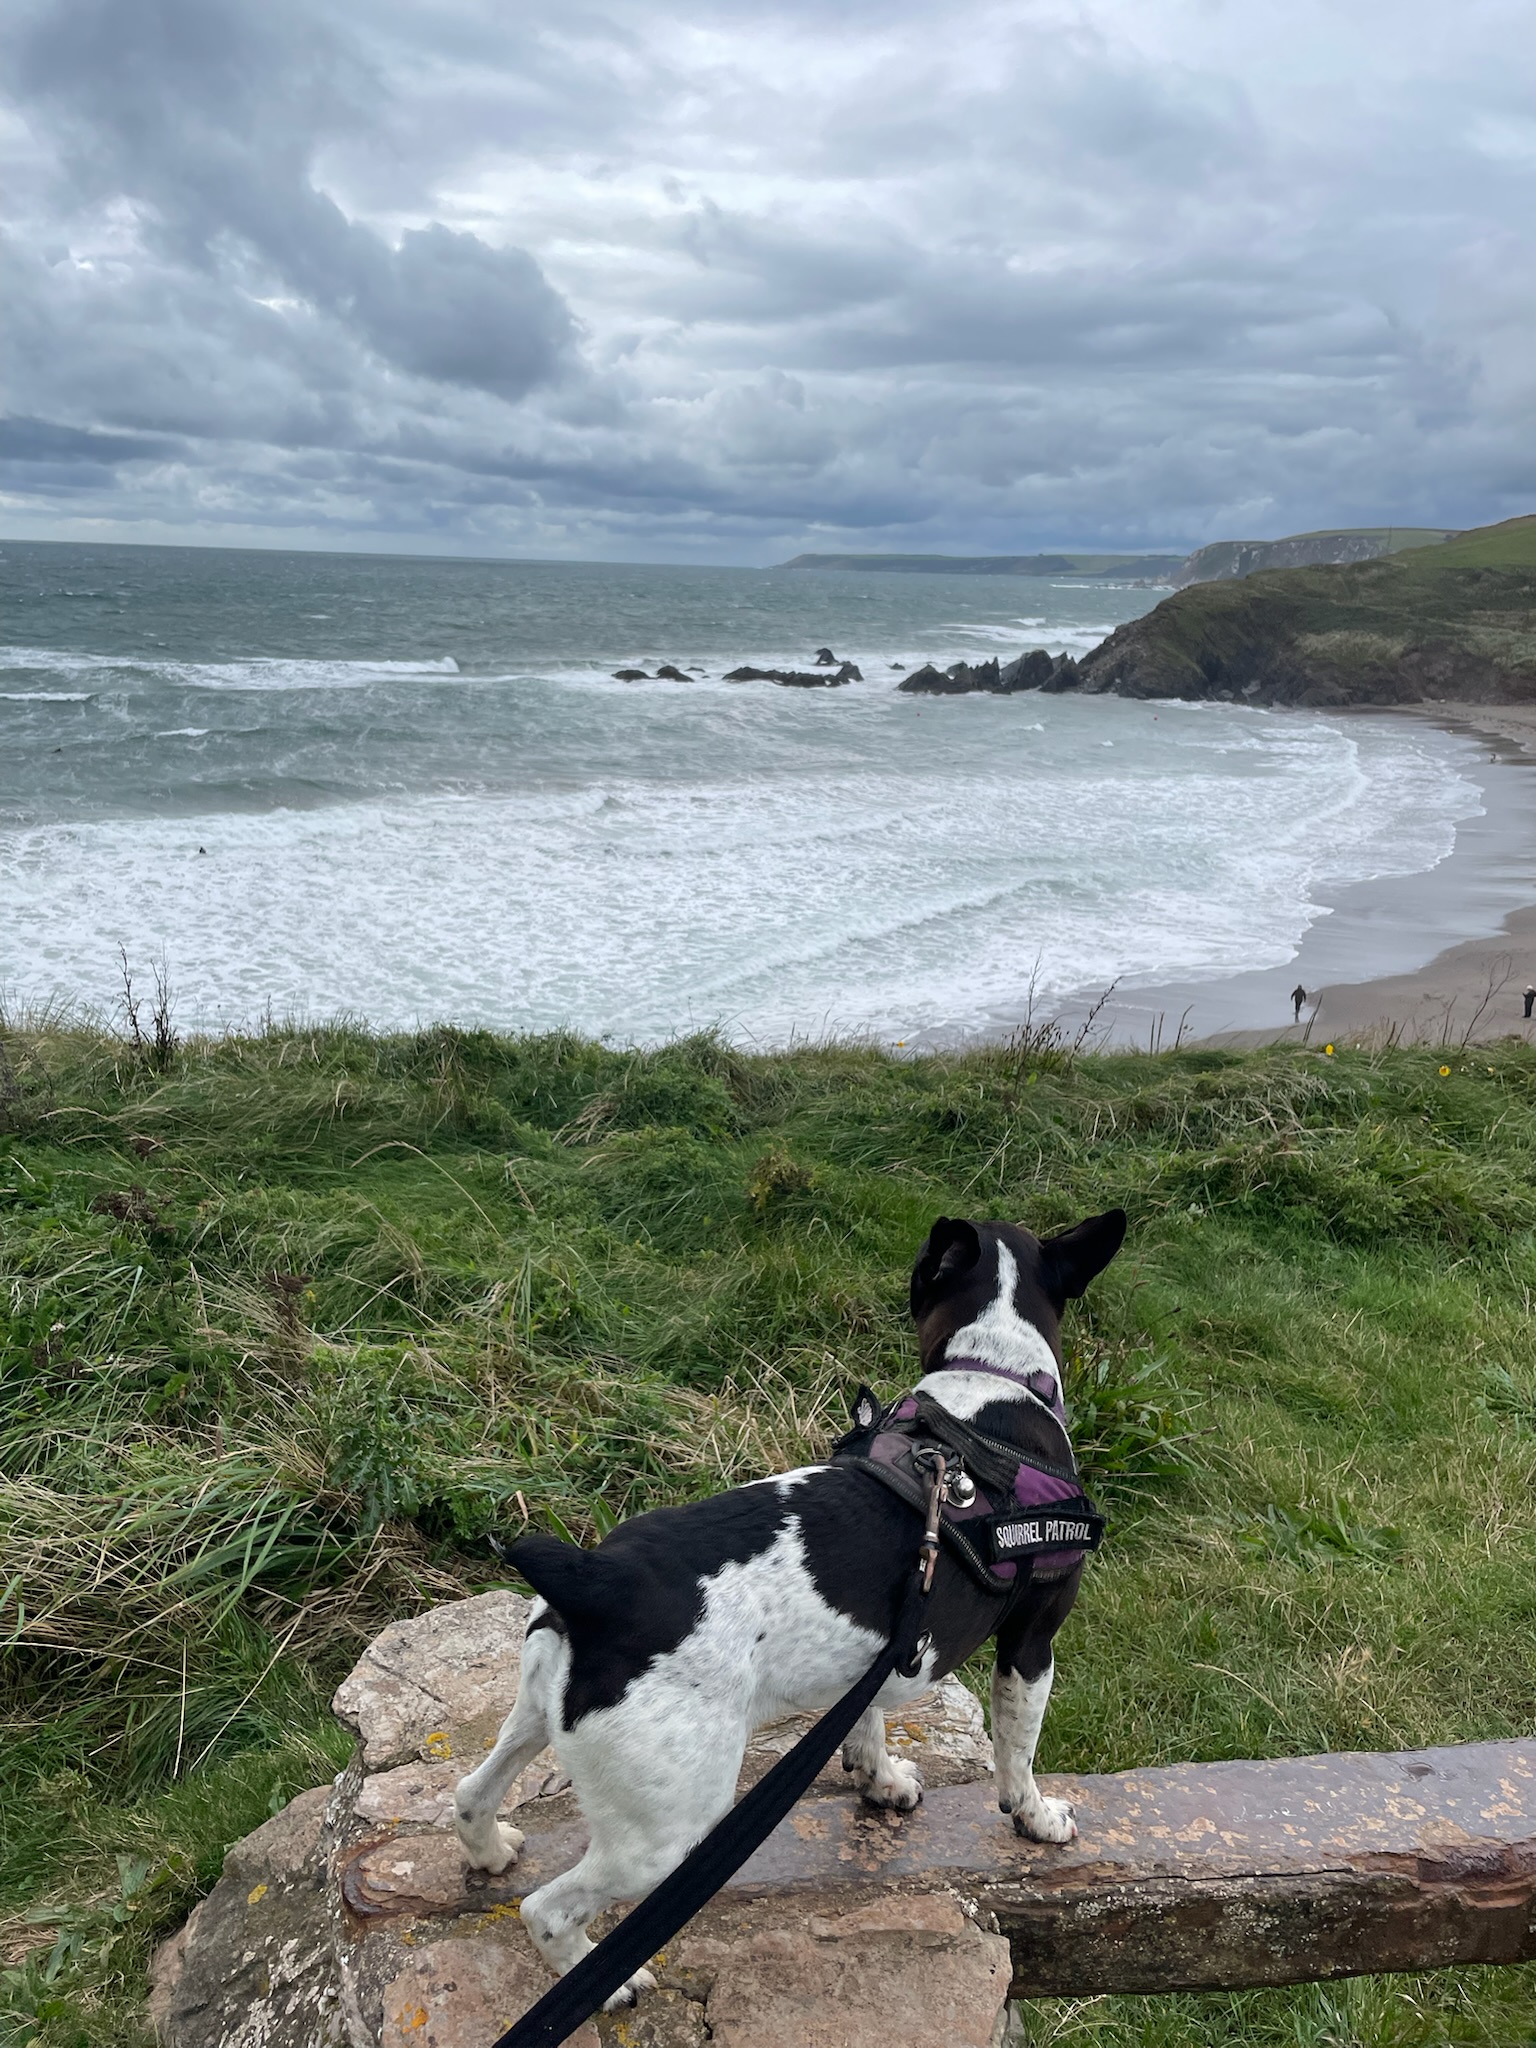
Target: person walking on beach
column 1530, row 998
column 1299, row 996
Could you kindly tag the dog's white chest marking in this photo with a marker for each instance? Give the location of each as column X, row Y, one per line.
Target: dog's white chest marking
column 998, row 1336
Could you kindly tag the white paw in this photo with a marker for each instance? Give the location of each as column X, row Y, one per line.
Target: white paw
column 1045, row 1820
column 489, row 1846
column 629, row 1991
column 899, row 1785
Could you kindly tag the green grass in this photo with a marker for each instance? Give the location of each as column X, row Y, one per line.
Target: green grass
column 288, row 1323
column 1509, row 545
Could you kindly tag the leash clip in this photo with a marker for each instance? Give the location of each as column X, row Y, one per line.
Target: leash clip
column 928, row 1549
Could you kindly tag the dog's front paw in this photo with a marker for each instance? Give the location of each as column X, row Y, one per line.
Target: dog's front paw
column 489, row 1845
column 1045, row 1820
column 629, row 1991
column 897, row 1784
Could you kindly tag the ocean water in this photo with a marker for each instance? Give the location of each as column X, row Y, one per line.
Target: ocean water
column 411, row 790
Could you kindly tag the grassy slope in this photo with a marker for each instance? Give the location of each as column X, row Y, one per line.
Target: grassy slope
column 1401, row 537
column 289, row 1324
column 1456, row 620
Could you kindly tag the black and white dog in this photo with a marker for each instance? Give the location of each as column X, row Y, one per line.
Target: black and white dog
column 650, row 1660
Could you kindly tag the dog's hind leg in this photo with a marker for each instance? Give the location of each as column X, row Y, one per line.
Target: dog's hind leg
column 652, row 1781
column 1021, row 1690
column 557, row 1914
column 488, row 1843
column 882, row 1779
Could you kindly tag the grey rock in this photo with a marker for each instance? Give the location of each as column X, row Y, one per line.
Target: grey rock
column 980, row 675
column 630, row 675
column 793, row 679
column 667, row 673
column 927, row 681
column 439, row 1685
column 961, row 678
column 944, row 1733
column 253, row 1967
column 465, row 1992
column 1028, row 671
column 902, row 1972
column 664, row 2018
column 1064, row 676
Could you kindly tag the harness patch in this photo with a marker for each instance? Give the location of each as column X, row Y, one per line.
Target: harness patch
column 1078, row 1527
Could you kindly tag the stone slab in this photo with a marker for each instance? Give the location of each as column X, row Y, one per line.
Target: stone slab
column 439, row 1685
column 1218, row 1875
column 1193, row 1877
column 465, row 1994
column 905, row 1972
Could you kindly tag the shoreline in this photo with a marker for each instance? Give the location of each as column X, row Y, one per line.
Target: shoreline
column 1467, row 990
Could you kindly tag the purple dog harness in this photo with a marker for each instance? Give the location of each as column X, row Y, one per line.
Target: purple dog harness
column 1008, row 1514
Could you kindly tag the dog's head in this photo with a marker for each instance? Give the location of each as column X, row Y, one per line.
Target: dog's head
column 964, row 1271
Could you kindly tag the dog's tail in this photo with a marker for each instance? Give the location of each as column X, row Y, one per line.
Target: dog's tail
column 582, row 1586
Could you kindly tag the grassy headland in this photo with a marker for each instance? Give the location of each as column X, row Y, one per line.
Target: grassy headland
column 288, row 1322
column 1456, row 621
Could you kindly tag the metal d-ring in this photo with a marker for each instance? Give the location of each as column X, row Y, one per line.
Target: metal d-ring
column 959, row 1488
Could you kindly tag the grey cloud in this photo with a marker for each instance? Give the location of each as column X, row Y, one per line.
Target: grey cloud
column 966, row 275
column 25, row 440
column 209, row 112
column 449, row 307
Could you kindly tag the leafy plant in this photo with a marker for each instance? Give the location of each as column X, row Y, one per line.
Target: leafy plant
column 1313, row 1536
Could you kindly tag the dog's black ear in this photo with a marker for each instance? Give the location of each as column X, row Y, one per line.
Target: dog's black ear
column 1071, row 1260
column 949, row 1252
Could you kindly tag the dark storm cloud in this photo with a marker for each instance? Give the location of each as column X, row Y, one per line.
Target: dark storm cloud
column 619, row 280
column 23, row 440
column 208, row 113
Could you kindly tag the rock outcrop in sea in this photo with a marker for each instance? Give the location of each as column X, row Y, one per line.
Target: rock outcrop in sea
column 1035, row 670
column 798, row 679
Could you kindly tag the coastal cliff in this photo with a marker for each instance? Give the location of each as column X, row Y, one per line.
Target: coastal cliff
column 1222, row 560
column 1456, row 621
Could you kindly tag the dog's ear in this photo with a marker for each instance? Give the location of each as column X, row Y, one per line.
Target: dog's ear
column 1071, row 1260
column 949, row 1252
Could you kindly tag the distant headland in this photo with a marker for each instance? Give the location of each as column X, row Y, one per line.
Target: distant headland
column 1219, row 562
column 1153, row 568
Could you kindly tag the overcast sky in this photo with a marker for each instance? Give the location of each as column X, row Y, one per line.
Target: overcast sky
column 715, row 283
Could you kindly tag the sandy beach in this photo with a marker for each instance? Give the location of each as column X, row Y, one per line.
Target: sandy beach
column 1468, row 992
column 1421, row 982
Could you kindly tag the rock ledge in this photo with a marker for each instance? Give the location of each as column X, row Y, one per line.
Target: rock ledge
column 351, row 1920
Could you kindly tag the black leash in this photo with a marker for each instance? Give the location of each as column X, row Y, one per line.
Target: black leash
column 574, row 1997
